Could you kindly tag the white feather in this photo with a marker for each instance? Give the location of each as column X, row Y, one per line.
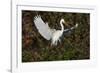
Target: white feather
column 43, row 28
column 48, row 33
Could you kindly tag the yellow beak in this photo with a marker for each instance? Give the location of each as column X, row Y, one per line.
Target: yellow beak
column 65, row 23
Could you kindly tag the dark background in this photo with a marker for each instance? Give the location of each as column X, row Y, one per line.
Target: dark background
column 74, row 46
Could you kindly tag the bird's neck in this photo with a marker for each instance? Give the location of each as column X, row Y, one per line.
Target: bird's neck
column 62, row 27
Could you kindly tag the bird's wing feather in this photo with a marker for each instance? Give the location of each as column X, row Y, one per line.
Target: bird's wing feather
column 72, row 28
column 67, row 32
column 42, row 27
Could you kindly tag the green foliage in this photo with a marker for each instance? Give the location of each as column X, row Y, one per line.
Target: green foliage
column 73, row 47
column 27, row 56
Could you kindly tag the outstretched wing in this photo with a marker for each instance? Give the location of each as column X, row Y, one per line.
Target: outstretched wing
column 42, row 27
column 72, row 28
column 67, row 32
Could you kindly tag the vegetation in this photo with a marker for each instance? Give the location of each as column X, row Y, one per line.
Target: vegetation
column 75, row 46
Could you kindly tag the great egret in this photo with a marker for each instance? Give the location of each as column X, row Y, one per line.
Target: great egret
column 57, row 34
column 48, row 33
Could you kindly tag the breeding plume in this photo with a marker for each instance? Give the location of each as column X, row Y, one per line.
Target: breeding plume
column 48, row 33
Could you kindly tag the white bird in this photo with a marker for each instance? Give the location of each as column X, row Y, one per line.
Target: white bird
column 57, row 34
column 48, row 33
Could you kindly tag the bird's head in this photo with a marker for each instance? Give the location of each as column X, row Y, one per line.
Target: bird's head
column 63, row 21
